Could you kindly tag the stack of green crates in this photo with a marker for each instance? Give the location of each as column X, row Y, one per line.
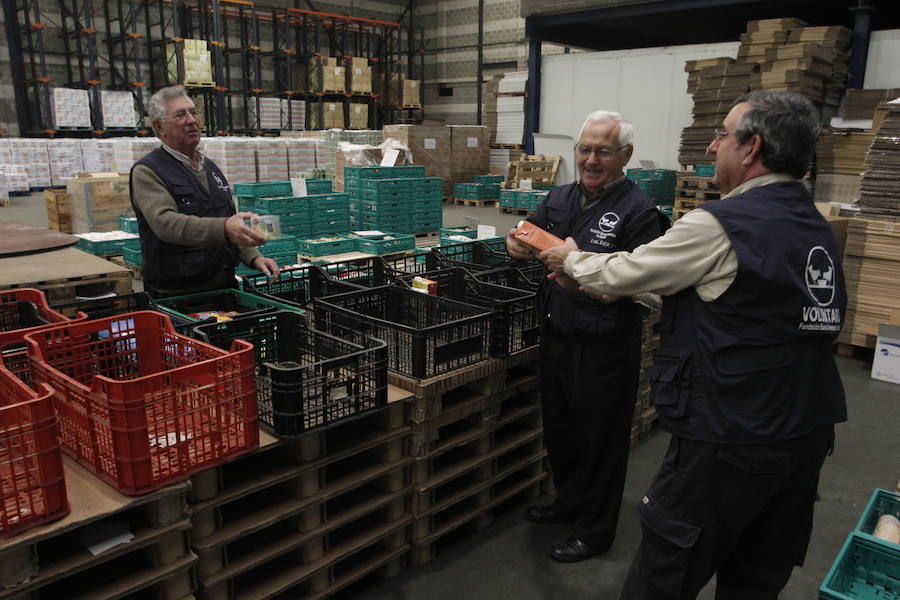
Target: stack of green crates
column 476, row 191
column 329, row 213
column 659, row 184
column 426, row 204
column 399, row 199
column 128, row 224
column 488, row 179
column 705, row 170
column 283, row 251
column 523, row 199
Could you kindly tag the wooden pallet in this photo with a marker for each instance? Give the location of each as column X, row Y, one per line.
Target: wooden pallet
column 696, row 182
column 540, row 169
column 120, row 260
column 307, row 516
column 475, row 203
column 199, row 84
column 51, row 561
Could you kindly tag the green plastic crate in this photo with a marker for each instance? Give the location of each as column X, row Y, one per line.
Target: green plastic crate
column 318, row 186
column 280, row 258
column 108, row 247
column 383, row 244
column 287, row 243
column 328, row 201
column 132, row 256
column 381, row 222
column 488, row 179
column 228, row 299
column 426, row 184
column 128, row 224
column 263, row 189
column 863, row 570
column 705, row 170
column 385, row 186
column 275, row 206
column 320, row 247
column 881, row 503
column 446, row 232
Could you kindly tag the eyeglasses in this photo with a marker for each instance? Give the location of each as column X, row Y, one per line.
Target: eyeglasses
column 721, row 134
column 181, row 115
column 600, row 151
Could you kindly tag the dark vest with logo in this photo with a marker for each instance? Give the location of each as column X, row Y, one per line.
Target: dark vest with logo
column 175, row 267
column 756, row 364
column 574, row 315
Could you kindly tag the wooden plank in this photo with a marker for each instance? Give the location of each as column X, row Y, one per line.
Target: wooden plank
column 119, row 588
column 363, row 569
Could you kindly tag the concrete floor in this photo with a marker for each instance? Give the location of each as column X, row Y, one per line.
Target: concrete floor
column 509, row 558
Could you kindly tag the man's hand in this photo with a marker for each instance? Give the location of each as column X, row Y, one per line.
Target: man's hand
column 572, row 285
column 517, row 249
column 555, row 257
column 238, row 233
column 267, row 267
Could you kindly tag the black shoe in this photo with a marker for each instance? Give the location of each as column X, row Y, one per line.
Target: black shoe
column 547, row 514
column 572, row 549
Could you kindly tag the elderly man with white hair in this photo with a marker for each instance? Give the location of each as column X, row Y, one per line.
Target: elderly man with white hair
column 590, row 349
column 191, row 236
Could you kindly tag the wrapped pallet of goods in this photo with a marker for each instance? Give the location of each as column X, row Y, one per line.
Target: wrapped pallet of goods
column 429, row 145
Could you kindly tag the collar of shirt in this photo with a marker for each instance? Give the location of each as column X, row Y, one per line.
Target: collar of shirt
column 760, row 181
column 184, row 158
column 588, row 199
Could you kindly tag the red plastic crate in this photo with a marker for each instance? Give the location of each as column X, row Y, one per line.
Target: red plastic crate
column 22, row 311
column 32, row 483
column 141, row 405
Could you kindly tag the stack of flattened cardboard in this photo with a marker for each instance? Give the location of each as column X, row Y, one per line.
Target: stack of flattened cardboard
column 860, row 104
column 429, row 145
column 764, row 34
column 840, row 159
column 872, row 253
column 470, row 152
column 489, row 105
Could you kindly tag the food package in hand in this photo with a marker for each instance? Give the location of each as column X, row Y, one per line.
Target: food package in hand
column 529, row 233
column 268, row 225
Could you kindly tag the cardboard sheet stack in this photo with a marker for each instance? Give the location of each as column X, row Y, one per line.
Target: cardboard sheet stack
column 71, row 108
column 840, row 158
column 500, row 159
column 860, row 104
column 511, row 108
column 189, row 62
column 235, row 156
column 118, row 109
column 872, row 252
column 429, row 145
column 65, row 160
column 715, row 83
column 127, row 151
column 271, row 159
column 31, row 153
column 470, row 152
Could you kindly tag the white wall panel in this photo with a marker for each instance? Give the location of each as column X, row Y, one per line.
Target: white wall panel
column 883, row 61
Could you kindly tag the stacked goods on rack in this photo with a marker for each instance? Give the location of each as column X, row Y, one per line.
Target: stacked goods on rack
column 861, row 104
column 840, row 159
column 359, row 115
column 65, row 160
column 302, row 154
column 97, row 200
column 270, row 113
column 470, row 152
column 71, row 108
column 403, row 92
column 429, row 145
column 359, row 75
column 511, row 108
column 118, row 110
column 189, row 63
column 871, row 264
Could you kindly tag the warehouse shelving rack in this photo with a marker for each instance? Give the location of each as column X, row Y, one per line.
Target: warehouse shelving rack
column 125, row 45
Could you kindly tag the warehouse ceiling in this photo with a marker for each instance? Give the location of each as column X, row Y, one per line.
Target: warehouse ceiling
column 680, row 22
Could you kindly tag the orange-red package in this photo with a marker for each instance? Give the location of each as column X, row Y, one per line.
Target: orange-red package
column 529, row 233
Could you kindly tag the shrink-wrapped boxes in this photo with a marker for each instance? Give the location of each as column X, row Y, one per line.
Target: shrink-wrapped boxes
column 71, row 108
column 118, row 109
column 65, row 160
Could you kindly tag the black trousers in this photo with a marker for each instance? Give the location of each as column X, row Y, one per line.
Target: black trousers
column 588, row 393
column 741, row 512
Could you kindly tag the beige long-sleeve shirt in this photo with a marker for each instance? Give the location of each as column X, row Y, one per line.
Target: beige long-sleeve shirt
column 159, row 208
column 695, row 251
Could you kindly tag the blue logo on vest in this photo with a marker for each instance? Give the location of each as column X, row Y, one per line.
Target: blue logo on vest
column 820, row 276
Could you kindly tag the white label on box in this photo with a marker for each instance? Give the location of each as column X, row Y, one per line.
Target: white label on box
column 337, row 71
column 331, row 107
column 390, row 157
column 413, row 83
column 525, row 184
column 357, row 71
column 430, row 143
column 486, row 231
column 298, row 186
column 472, row 142
column 358, row 109
column 647, row 164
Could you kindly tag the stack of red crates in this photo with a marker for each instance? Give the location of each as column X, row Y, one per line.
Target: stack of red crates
column 142, row 406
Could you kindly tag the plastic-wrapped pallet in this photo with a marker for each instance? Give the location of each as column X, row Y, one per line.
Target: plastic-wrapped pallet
column 500, row 158
column 298, row 115
column 235, row 156
column 270, row 113
column 16, row 177
column 127, row 151
column 4, row 189
column 301, row 154
column 271, row 159
column 65, row 160
column 31, row 153
column 98, row 156
column 118, row 109
column 71, row 108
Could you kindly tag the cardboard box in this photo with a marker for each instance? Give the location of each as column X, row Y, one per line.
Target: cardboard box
column 886, row 362
column 429, row 144
column 59, row 216
column 359, row 115
column 411, row 93
column 839, row 228
column 470, row 152
column 333, row 115
column 97, row 200
column 334, row 79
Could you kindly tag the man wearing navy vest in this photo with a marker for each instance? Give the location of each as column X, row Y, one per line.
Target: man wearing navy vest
column 744, row 378
column 590, row 350
column 191, row 236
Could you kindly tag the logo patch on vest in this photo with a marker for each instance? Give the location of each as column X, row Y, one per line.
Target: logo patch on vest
column 819, row 275
column 219, row 181
column 605, row 229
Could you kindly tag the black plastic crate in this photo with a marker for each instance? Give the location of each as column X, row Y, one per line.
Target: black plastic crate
column 477, row 256
column 514, row 323
column 305, row 378
column 426, row 335
column 525, row 277
column 298, row 286
column 375, row 271
column 101, row 308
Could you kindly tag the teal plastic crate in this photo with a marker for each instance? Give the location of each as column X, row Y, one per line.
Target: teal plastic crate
column 408, row 171
column 509, row 198
column 287, row 243
column 863, row 570
column 275, row 206
column 219, row 300
column 705, row 170
column 383, row 244
column 318, row 186
column 280, row 258
column 108, row 247
column 381, row 222
column 426, row 184
column 401, row 171
column 132, row 256
column 263, row 189
column 383, row 186
column 128, row 224
column 881, row 503
column 326, row 201
column 488, row 179
column 425, row 226
column 334, row 244
column 446, row 232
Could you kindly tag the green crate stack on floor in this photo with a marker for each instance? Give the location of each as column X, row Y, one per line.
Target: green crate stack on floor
column 476, row 191
column 426, row 204
column 397, row 199
column 531, row 199
column 276, row 198
column 659, row 184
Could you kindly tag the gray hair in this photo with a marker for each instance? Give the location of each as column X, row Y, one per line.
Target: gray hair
column 788, row 125
column 157, row 107
column 626, row 129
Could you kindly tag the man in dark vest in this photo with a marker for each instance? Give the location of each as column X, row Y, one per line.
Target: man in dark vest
column 744, row 378
column 191, row 236
column 590, row 350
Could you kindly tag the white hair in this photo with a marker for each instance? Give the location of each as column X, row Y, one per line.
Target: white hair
column 157, row 106
column 626, row 129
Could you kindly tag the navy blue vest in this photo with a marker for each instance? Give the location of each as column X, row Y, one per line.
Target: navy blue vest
column 171, row 267
column 756, row 364
column 623, row 220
